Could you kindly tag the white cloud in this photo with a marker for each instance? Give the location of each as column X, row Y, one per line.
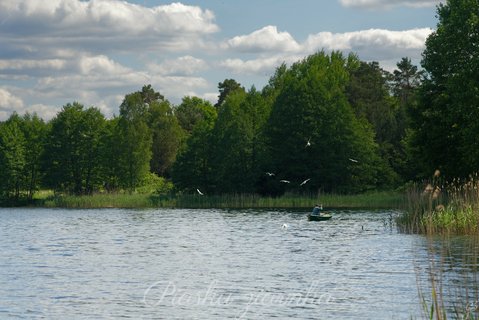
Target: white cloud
column 96, row 51
column 373, row 44
column 186, row 65
column 9, row 102
column 41, row 28
column 46, row 112
column 28, row 64
column 210, row 96
column 101, row 64
column 382, row 4
column 260, row 66
column 265, row 39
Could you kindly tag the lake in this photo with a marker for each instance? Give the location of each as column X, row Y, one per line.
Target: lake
column 213, row 264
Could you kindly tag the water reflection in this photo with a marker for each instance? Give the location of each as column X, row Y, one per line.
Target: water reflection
column 448, row 279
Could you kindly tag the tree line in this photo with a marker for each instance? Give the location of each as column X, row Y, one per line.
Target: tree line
column 329, row 122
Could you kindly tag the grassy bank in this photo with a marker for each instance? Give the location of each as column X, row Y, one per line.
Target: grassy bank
column 369, row 200
column 437, row 208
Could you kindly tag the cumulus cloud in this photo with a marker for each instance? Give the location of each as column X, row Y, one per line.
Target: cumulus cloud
column 370, row 44
column 381, row 4
column 265, row 39
column 101, row 64
column 373, row 44
column 27, row 25
column 9, row 102
column 96, row 51
column 90, row 51
column 186, row 65
column 261, row 65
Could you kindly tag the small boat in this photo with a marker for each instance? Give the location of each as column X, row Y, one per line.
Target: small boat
column 319, row 217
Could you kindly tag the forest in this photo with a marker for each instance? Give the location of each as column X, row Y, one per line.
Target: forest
column 329, row 122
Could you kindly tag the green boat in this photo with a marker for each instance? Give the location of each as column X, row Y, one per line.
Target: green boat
column 319, row 217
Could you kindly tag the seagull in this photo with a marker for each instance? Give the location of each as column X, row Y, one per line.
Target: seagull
column 304, row 182
column 308, row 144
column 270, row 174
column 284, row 226
column 284, row 181
column 353, row 160
column 201, row 193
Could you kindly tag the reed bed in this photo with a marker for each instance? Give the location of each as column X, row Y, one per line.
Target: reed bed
column 442, row 208
column 136, row 200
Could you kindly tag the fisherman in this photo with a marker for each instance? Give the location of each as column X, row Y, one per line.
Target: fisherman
column 317, row 210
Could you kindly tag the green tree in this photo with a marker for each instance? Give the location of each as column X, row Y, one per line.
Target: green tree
column 369, row 94
column 72, row 159
column 167, row 136
column 313, row 132
column 35, row 131
column 405, row 85
column 111, row 149
column 135, row 139
column 407, row 80
column 149, row 95
column 13, row 150
column 444, row 136
column 192, row 111
column 227, row 87
column 192, row 168
column 237, row 141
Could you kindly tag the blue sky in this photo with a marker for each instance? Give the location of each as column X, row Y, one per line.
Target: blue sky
column 96, row 51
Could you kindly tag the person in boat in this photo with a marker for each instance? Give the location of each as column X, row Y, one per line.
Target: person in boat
column 317, row 210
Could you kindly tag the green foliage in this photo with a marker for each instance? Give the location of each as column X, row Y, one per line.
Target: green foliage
column 167, row 136
column 135, row 140
column 72, row 158
column 153, row 184
column 192, row 169
column 192, row 111
column 442, row 207
column 245, row 201
column 368, row 93
column 21, row 147
column 238, row 143
column 13, row 150
column 35, row 132
column 444, row 135
column 227, row 87
column 313, row 107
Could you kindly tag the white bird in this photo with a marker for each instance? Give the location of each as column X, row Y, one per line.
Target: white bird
column 284, row 226
column 284, row 181
column 304, row 182
column 308, row 144
column 201, row 193
column 270, row 174
column 353, row 160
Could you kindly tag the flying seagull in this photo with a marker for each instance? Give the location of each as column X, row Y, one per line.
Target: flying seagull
column 270, row 174
column 308, row 144
column 284, row 181
column 201, row 193
column 353, row 160
column 304, row 182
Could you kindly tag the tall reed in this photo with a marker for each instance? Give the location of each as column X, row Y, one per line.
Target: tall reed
column 449, row 286
column 442, row 208
column 135, row 200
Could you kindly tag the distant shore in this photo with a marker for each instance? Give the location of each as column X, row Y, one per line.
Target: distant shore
column 377, row 199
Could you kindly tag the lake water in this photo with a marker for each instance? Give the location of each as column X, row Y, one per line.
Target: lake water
column 208, row 264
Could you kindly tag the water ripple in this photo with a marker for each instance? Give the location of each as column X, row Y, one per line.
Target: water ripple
column 203, row 264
